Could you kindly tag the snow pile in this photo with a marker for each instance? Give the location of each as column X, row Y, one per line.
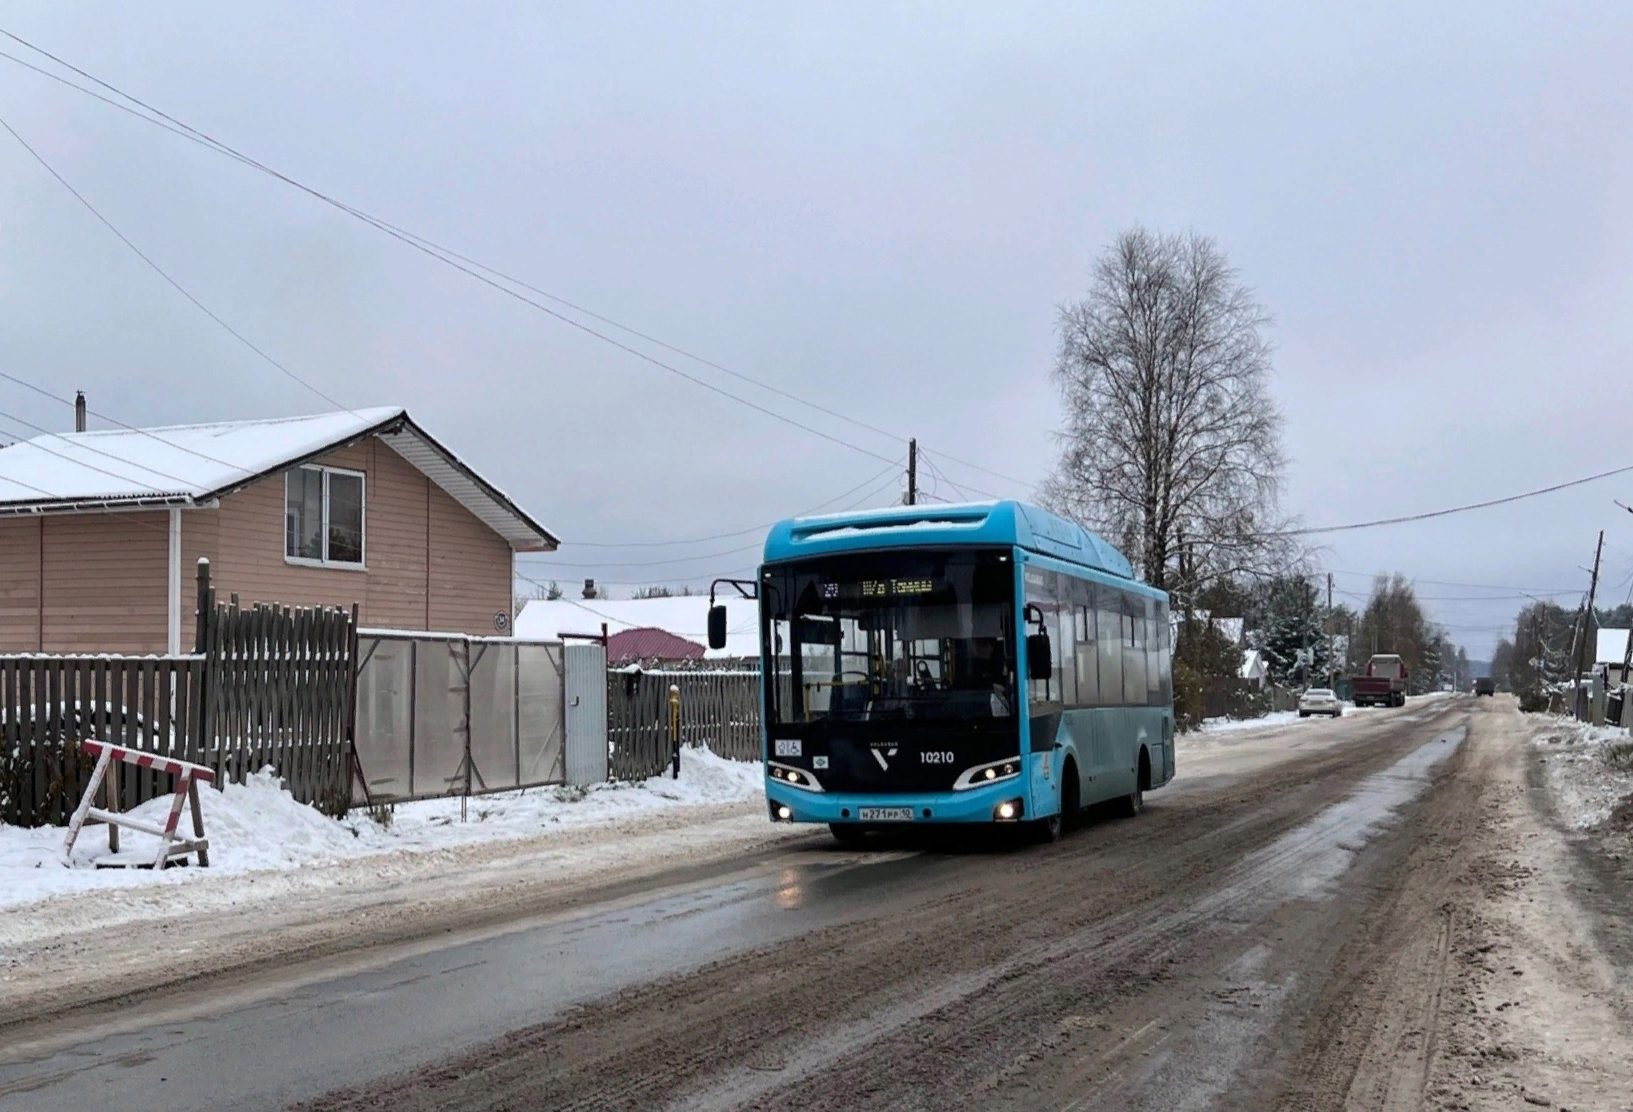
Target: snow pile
column 1230, row 725
column 704, row 779
column 1590, row 771
column 258, row 826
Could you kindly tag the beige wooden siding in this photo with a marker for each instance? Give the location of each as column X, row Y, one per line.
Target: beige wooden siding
column 429, row 562
column 396, row 539
column 470, row 571
column 20, row 585
column 104, row 582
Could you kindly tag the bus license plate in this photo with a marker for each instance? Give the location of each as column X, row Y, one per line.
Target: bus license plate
column 885, row 814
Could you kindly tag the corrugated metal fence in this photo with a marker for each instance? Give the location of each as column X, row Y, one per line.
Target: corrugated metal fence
column 446, row 714
column 718, row 708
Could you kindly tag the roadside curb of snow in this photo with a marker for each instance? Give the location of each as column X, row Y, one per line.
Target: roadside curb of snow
column 259, row 833
column 1589, row 772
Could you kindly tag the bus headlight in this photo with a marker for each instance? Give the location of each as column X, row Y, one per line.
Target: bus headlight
column 793, row 777
column 982, row 775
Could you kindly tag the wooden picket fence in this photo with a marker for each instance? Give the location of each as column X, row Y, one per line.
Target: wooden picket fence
column 267, row 686
column 50, row 702
column 718, row 708
column 279, row 689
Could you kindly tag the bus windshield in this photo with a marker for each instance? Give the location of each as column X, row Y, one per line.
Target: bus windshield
column 891, row 636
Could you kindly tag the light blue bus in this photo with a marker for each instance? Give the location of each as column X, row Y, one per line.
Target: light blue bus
column 979, row 663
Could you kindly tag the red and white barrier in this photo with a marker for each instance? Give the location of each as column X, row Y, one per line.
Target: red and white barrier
column 188, row 776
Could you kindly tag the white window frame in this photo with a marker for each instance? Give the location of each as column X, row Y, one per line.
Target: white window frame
column 307, row 561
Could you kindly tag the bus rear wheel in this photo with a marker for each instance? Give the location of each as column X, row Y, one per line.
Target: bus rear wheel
column 1131, row 804
column 846, row 834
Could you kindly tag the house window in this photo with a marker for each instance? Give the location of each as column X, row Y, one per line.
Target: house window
column 323, row 516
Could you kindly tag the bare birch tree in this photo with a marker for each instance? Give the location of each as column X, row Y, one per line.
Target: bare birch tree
column 1172, row 444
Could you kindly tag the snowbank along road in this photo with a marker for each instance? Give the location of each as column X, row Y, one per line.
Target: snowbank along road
column 1379, row 912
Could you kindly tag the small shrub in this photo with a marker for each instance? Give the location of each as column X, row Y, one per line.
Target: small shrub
column 1533, row 702
column 1187, row 698
column 383, row 814
column 1619, row 754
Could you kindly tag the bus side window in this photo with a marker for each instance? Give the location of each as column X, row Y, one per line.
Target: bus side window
column 1039, row 594
column 1088, row 663
column 1133, row 615
column 1165, row 656
column 1153, row 655
column 1065, row 642
column 1108, row 616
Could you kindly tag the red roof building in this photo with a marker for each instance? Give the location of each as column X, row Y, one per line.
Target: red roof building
column 645, row 643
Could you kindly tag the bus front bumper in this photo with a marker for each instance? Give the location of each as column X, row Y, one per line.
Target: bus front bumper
column 975, row 805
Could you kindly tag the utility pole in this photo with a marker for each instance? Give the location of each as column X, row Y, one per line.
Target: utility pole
column 1587, row 615
column 1586, row 652
column 913, row 472
column 1332, row 664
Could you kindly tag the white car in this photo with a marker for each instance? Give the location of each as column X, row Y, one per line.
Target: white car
column 1319, row 700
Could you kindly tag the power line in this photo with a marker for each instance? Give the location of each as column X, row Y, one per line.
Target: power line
column 1475, row 586
column 453, row 258
column 1449, row 511
column 185, row 483
column 70, row 459
column 548, row 563
column 414, row 243
column 739, row 532
column 148, row 433
column 1463, row 598
column 162, row 273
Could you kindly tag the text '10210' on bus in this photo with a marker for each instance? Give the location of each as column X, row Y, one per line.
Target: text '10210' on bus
column 980, row 663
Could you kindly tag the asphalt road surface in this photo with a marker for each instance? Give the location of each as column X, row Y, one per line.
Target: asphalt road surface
column 1274, row 932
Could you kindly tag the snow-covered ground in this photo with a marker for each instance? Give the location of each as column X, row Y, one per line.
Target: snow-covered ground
column 257, row 826
column 1589, row 770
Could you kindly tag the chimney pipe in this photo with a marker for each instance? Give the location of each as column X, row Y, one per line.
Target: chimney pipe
column 589, row 588
column 79, row 411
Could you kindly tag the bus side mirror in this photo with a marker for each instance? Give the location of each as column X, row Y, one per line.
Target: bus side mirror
column 717, row 627
column 1040, row 664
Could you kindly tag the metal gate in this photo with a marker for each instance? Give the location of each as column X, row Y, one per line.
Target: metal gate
column 442, row 715
column 586, row 713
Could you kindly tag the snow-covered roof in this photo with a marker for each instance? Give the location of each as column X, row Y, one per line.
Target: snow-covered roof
column 1612, row 647
column 688, row 617
column 190, row 465
column 1231, row 628
column 1253, row 665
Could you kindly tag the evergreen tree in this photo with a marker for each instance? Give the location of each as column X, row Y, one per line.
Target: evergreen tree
column 1290, row 631
column 1543, row 636
column 1502, row 665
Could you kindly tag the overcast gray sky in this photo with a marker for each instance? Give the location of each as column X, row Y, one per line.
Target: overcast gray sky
column 878, row 207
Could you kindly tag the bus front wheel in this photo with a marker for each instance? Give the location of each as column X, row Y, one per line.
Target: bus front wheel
column 1047, row 830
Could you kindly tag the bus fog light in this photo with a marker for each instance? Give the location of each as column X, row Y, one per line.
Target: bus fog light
column 1007, row 811
column 784, row 813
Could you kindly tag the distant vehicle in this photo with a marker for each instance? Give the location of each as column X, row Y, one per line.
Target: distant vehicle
column 1383, row 684
column 1485, row 685
column 1319, row 700
column 980, row 663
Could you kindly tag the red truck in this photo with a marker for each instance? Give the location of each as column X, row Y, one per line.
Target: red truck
column 1383, row 684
